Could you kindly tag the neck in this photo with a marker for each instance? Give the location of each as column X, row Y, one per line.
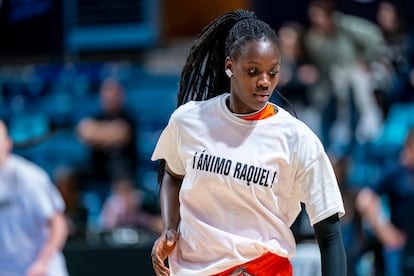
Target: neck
column 249, row 114
column 243, row 114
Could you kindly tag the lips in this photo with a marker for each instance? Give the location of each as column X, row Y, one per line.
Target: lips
column 262, row 96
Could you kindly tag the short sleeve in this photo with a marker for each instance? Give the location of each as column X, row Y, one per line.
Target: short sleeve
column 316, row 183
column 167, row 148
column 47, row 200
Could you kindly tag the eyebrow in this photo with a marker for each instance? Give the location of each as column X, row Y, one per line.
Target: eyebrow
column 256, row 63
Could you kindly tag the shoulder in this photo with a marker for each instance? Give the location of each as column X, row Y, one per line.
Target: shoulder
column 194, row 108
column 27, row 169
column 297, row 127
column 305, row 142
column 394, row 171
column 357, row 25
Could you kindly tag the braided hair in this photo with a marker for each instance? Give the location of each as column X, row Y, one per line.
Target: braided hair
column 203, row 75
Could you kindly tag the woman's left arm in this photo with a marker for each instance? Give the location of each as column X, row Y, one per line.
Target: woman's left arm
column 55, row 242
column 329, row 236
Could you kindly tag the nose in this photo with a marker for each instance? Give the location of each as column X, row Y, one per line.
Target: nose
column 263, row 82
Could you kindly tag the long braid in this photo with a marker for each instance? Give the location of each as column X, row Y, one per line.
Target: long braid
column 203, row 74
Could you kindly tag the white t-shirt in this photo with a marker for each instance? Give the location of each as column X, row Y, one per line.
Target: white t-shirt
column 27, row 201
column 244, row 181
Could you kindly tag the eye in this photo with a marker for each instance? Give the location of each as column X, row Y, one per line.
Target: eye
column 273, row 72
column 252, row 71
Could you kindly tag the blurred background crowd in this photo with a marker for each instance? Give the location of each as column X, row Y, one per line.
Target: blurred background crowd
column 86, row 86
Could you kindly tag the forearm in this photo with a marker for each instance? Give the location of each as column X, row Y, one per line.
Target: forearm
column 57, row 238
column 368, row 205
column 169, row 199
column 329, row 237
column 117, row 133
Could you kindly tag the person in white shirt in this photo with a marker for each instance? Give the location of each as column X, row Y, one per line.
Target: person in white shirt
column 33, row 228
column 235, row 167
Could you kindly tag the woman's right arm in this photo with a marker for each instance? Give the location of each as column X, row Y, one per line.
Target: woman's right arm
column 170, row 213
column 170, row 207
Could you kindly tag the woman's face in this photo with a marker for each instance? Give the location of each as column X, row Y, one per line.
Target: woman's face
column 255, row 75
column 289, row 42
column 387, row 17
column 321, row 19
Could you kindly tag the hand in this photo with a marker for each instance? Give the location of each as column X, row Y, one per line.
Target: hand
column 162, row 248
column 38, row 268
column 391, row 237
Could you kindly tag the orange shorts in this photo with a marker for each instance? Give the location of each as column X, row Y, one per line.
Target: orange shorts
column 268, row 264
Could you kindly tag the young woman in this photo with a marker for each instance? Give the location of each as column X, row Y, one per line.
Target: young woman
column 236, row 167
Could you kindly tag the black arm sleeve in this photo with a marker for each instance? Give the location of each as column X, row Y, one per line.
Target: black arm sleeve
column 329, row 236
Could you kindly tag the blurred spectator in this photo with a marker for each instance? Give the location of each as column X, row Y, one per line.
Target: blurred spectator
column 358, row 240
column 306, row 261
column 398, row 49
column 123, row 208
column 76, row 214
column 343, row 48
column 397, row 189
column 33, row 229
column 111, row 138
column 298, row 73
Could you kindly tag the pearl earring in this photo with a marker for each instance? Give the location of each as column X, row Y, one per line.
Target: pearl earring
column 229, row 72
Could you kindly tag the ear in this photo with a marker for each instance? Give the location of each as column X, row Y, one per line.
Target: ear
column 228, row 63
column 228, row 67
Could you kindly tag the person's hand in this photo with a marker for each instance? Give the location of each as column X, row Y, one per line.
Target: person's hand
column 162, row 248
column 38, row 268
column 391, row 237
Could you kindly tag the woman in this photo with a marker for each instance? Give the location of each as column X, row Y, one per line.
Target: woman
column 235, row 167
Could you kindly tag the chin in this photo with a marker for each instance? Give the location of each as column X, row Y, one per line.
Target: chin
column 260, row 105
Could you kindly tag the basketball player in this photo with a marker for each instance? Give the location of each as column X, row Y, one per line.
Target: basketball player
column 33, row 229
column 235, row 167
